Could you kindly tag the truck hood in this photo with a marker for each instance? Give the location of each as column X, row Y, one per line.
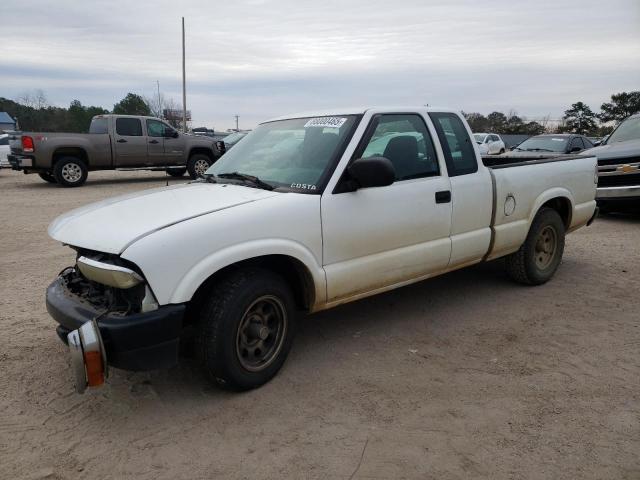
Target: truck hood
column 630, row 148
column 112, row 225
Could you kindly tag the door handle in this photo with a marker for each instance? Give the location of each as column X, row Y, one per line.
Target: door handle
column 122, row 140
column 153, row 141
column 443, row 196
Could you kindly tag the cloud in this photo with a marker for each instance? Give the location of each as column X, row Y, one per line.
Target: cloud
column 261, row 58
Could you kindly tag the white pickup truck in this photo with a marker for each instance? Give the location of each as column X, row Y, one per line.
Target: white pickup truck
column 307, row 212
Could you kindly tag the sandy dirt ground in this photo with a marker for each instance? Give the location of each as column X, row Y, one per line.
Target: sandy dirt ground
column 463, row 376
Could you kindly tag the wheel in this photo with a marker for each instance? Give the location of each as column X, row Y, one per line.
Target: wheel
column 245, row 328
column 70, row 172
column 47, row 177
column 176, row 172
column 198, row 164
column 501, row 151
column 539, row 256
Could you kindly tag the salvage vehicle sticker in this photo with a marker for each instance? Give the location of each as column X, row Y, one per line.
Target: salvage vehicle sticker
column 335, row 122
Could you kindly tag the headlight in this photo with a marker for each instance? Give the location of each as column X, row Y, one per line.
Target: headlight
column 108, row 274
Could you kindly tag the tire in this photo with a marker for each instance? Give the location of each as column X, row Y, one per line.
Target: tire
column 240, row 345
column 176, row 172
column 70, row 172
column 47, row 177
column 541, row 253
column 501, row 151
column 196, row 165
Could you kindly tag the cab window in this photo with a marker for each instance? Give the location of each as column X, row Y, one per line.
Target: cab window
column 129, row 127
column 155, row 128
column 456, row 144
column 405, row 141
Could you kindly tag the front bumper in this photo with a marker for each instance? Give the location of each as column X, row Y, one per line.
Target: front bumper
column 623, row 192
column 141, row 341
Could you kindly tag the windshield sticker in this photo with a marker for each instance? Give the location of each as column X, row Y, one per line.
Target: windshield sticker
column 335, row 122
column 558, row 139
column 303, row 186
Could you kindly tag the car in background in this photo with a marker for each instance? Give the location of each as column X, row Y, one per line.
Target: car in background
column 561, row 143
column 4, row 150
column 489, row 143
column 619, row 166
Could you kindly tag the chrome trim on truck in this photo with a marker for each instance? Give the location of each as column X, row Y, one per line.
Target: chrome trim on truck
column 618, row 192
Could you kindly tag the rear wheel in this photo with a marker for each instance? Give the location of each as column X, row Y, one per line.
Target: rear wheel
column 47, row 177
column 176, row 172
column 198, row 164
column 539, row 256
column 246, row 328
column 501, row 151
column 70, row 172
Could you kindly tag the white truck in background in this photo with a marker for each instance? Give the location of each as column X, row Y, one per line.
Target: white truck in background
column 308, row 212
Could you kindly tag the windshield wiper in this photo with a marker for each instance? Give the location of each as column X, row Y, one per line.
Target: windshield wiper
column 538, row 150
column 247, row 178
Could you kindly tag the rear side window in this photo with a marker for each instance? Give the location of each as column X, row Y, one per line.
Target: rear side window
column 4, row 140
column 456, row 144
column 129, row 127
column 98, row 125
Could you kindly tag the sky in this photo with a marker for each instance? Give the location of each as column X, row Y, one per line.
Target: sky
column 264, row 58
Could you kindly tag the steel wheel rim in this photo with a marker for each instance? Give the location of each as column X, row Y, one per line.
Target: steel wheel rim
column 546, row 246
column 200, row 166
column 261, row 333
column 71, row 172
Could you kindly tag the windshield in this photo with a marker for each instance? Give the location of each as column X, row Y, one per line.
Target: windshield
column 234, row 137
column 479, row 137
column 627, row 130
column 544, row 144
column 294, row 154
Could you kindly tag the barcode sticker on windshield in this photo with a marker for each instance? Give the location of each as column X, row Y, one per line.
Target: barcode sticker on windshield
column 335, row 122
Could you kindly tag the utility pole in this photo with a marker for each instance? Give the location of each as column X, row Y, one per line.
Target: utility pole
column 184, row 86
column 159, row 101
column 237, row 129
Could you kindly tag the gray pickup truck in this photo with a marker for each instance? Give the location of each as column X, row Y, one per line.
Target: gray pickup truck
column 121, row 142
column 619, row 166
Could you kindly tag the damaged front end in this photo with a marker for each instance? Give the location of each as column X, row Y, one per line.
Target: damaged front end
column 108, row 315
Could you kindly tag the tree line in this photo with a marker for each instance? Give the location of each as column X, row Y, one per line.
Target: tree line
column 34, row 112
column 579, row 118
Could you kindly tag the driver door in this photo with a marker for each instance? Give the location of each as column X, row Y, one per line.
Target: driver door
column 374, row 238
column 155, row 142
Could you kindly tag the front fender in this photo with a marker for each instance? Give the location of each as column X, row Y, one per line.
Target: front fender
column 220, row 259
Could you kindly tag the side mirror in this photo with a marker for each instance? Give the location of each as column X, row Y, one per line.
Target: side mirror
column 597, row 143
column 372, row 172
column 171, row 134
column 575, row 149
